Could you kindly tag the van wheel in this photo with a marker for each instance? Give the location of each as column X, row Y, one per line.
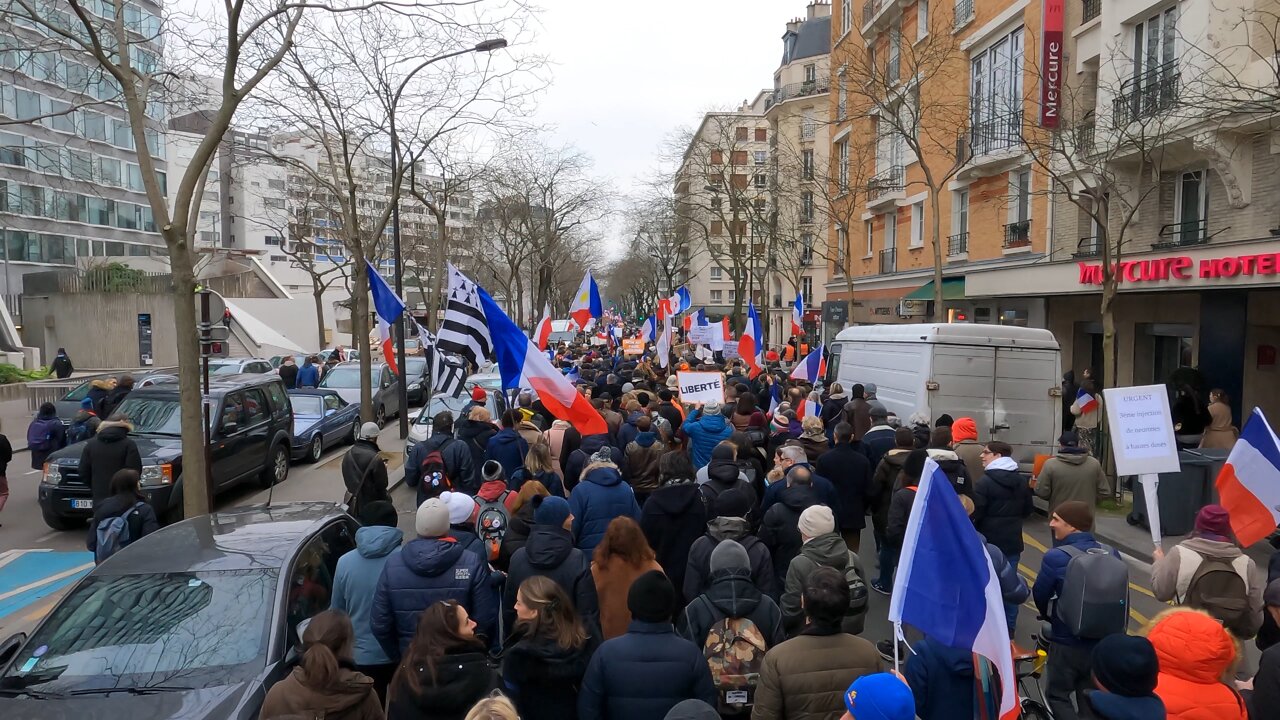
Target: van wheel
column 277, row 469
column 317, row 448
column 380, row 416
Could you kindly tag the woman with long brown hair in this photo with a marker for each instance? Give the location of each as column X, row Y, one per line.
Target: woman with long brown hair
column 621, row 557
column 547, row 654
column 538, row 466
column 521, row 521
column 445, row 670
column 325, row 683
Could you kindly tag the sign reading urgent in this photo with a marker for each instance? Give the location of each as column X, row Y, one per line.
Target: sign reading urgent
column 1141, row 430
column 1182, row 267
column 697, row 388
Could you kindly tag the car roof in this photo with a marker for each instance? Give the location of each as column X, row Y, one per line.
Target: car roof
column 243, row 538
column 319, row 392
column 356, row 363
column 218, row 385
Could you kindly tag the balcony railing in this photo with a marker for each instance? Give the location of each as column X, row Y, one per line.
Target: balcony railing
column 958, row 244
column 869, row 8
column 886, row 181
column 1092, row 8
column 964, row 11
column 1087, row 247
column 1192, row 232
column 1017, row 234
column 1148, row 94
column 995, row 134
column 888, row 261
column 798, row 90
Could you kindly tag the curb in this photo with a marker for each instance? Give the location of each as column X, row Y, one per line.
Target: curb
column 1126, row 548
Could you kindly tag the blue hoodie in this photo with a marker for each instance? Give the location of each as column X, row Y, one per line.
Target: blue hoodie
column 356, row 579
column 1048, row 585
column 508, row 449
column 705, row 432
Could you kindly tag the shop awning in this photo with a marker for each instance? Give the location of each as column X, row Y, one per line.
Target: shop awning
column 952, row 289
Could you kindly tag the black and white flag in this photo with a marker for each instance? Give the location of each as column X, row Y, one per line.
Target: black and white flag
column 464, row 331
column 449, row 379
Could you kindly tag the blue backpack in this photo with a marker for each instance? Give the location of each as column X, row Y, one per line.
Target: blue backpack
column 113, row 534
column 79, row 430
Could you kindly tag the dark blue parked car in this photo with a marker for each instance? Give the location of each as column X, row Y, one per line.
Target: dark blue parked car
column 321, row 419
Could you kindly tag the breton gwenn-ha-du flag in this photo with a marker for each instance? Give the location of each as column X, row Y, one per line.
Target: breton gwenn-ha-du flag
column 522, row 365
column 749, row 345
column 809, row 369
column 1087, row 402
column 797, row 315
column 389, row 308
column 1249, row 483
column 542, row 334
column 464, row 331
column 449, row 379
column 946, row 587
column 586, row 304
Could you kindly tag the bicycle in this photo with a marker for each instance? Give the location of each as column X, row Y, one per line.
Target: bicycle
column 1029, row 667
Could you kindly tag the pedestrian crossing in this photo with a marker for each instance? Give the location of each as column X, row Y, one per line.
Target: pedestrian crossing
column 29, row 576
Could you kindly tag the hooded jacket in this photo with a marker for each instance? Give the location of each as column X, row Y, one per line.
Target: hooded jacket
column 941, row 679
column 883, row 482
column 643, row 674
column 1048, row 585
column 98, row 391
column 580, row 458
column 106, row 453
column 697, row 574
column 519, row 525
column 723, row 475
column 289, row 374
column 114, row 399
column 1072, row 474
column 508, row 449
column 308, row 375
column 424, row 572
column 550, row 480
column 628, row 431
column 673, row 519
column 356, row 580
column 643, row 454
column 1171, row 575
column 731, row 595
column 779, row 530
column 543, row 678
column 955, row 469
column 89, row 419
column 849, row 471
column 364, row 474
column 458, row 463
column 143, row 522
column 596, row 501
column 462, row 679
column 475, row 436
column 827, row 550
column 1195, row 653
column 550, row 552
column 705, row 432
column 1001, row 500
column 350, row 696
column 1108, row 706
column 832, row 409
column 805, row 678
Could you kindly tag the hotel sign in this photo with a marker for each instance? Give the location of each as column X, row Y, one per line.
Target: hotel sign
column 1051, row 63
column 1181, row 267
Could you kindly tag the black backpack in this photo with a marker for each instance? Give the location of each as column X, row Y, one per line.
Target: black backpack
column 435, row 476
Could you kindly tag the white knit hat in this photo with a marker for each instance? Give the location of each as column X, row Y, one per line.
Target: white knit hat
column 816, row 520
column 432, row 520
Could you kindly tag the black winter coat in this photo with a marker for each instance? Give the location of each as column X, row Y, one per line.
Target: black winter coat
column 549, row 551
column 848, row 469
column 899, row 512
column 289, row 376
column 114, row 399
column 643, row 674
column 780, row 530
column 462, row 680
column 673, row 519
column 1001, row 500
column 697, row 577
column 476, row 435
column 457, row 464
column 543, row 678
column 105, row 454
column 367, row 482
column 518, row 529
column 731, row 595
column 581, row 457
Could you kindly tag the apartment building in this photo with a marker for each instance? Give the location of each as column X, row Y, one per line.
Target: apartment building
column 1184, row 196
column 71, row 189
column 932, row 102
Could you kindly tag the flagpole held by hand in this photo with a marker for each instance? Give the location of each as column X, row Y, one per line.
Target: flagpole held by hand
column 1150, row 486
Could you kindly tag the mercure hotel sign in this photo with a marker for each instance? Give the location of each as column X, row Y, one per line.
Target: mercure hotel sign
column 1181, row 267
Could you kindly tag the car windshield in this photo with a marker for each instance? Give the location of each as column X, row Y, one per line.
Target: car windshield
column 155, row 415
column 224, row 368
column 415, row 366
column 348, row 377
column 307, row 404
column 198, row 629
column 453, row 404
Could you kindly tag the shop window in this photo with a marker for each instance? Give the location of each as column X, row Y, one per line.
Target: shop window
column 1159, row 349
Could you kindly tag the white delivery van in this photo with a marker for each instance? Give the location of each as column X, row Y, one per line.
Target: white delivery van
column 561, row 332
column 1006, row 378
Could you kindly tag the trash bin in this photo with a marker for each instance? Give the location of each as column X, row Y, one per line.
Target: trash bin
column 1181, row 494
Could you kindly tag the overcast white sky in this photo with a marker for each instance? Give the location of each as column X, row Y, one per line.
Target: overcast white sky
column 625, row 74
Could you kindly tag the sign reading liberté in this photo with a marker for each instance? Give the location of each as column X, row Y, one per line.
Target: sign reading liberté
column 697, row 388
column 1051, row 59
column 1141, row 430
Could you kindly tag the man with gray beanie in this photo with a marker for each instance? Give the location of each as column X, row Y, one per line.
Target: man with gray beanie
column 430, row 568
column 823, row 547
column 732, row 595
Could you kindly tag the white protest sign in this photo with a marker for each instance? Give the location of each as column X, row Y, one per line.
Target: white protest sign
column 700, row 387
column 731, row 349
column 1142, row 441
column 701, row 334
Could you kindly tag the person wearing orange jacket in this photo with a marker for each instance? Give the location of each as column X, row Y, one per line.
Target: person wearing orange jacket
column 1195, row 654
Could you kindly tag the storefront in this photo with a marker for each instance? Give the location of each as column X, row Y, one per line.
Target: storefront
column 878, row 303
column 1208, row 307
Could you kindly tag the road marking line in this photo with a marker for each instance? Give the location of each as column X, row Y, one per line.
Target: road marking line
column 43, row 607
column 45, row 581
column 1036, row 544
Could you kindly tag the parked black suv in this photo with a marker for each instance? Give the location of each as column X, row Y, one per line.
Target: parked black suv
column 252, row 433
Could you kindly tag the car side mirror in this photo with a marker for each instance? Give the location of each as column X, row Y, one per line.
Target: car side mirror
column 10, row 647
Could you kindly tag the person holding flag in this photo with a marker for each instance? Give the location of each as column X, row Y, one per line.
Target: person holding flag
column 1087, row 410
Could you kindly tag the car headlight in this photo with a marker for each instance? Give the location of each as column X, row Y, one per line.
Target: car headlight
column 52, row 474
column 153, row 475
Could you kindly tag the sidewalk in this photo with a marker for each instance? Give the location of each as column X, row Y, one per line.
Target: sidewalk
column 1112, row 528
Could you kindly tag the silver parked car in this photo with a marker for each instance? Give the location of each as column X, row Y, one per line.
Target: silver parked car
column 345, row 379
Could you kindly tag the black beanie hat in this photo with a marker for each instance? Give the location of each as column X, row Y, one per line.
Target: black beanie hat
column 734, row 503
column 913, row 466
column 379, row 512
column 651, row 598
column 1126, row 665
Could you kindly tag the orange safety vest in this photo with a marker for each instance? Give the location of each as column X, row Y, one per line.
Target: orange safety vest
column 789, row 354
column 804, row 348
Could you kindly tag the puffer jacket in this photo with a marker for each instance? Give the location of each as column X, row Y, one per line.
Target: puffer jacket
column 543, row 678
column 508, row 449
column 731, row 595
column 882, row 485
column 476, row 436
column 1072, row 474
column 550, row 480
column 142, row 520
column 643, row 453
column 673, row 519
column 697, row 576
column 643, row 674
column 941, row 679
column 426, row 571
column 596, row 501
column 827, row 550
column 105, row 454
column 779, row 530
column 1048, row 584
column 463, row 678
column 805, row 678
column 355, row 582
column 1195, row 655
column 518, row 528
column 550, row 552
column 350, row 696
column 580, row 458
column 704, row 433
column 457, row 464
column 1001, row 500
column 627, row 433
column 1171, row 575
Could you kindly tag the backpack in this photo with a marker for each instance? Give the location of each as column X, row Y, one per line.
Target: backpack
column 79, row 430
column 856, row 614
column 1094, row 600
column 40, row 434
column 434, row 477
column 734, row 651
column 1218, row 588
column 492, row 519
column 113, row 534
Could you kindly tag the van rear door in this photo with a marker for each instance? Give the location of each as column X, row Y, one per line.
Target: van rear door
column 1026, row 415
column 965, row 375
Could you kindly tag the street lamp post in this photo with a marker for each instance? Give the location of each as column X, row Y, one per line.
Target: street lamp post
column 485, row 46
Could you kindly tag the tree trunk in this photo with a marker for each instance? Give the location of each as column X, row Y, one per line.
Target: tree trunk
column 935, row 229
column 196, row 492
column 437, row 275
column 317, row 293
column 360, row 334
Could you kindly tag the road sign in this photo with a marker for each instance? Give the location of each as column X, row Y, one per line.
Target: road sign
column 219, row 333
column 217, row 306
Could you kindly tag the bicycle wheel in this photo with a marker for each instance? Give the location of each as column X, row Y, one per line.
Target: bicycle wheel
column 1032, row 710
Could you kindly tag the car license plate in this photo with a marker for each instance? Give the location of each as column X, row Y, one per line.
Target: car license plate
column 82, row 504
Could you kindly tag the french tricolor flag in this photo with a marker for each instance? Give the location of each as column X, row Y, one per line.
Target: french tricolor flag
column 1249, row 484
column 809, row 369
column 749, row 344
column 946, row 587
column 649, row 331
column 389, row 308
column 775, row 398
column 797, row 315
column 543, row 332
column 1088, row 403
column 522, row 365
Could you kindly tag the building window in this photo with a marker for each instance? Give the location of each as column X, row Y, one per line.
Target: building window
column 717, row 272
column 806, row 250
column 739, row 181
column 917, row 225
column 1154, row 42
column 895, row 53
column 760, row 157
column 842, row 248
column 272, row 240
column 806, row 163
column 761, row 181
column 995, row 95
column 890, row 230
column 733, row 295
column 1154, row 85
column 1191, row 211
column 871, row 238
column 760, row 205
column 922, row 18
column 717, row 227
column 842, row 104
column 762, row 134
column 738, row 157
column 1020, row 194
column 717, row 157
column 806, row 206
column 273, row 203
column 740, row 133
column 808, row 125
column 960, row 212
column 811, row 73
column 275, row 184
column 846, row 16
column 842, row 155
